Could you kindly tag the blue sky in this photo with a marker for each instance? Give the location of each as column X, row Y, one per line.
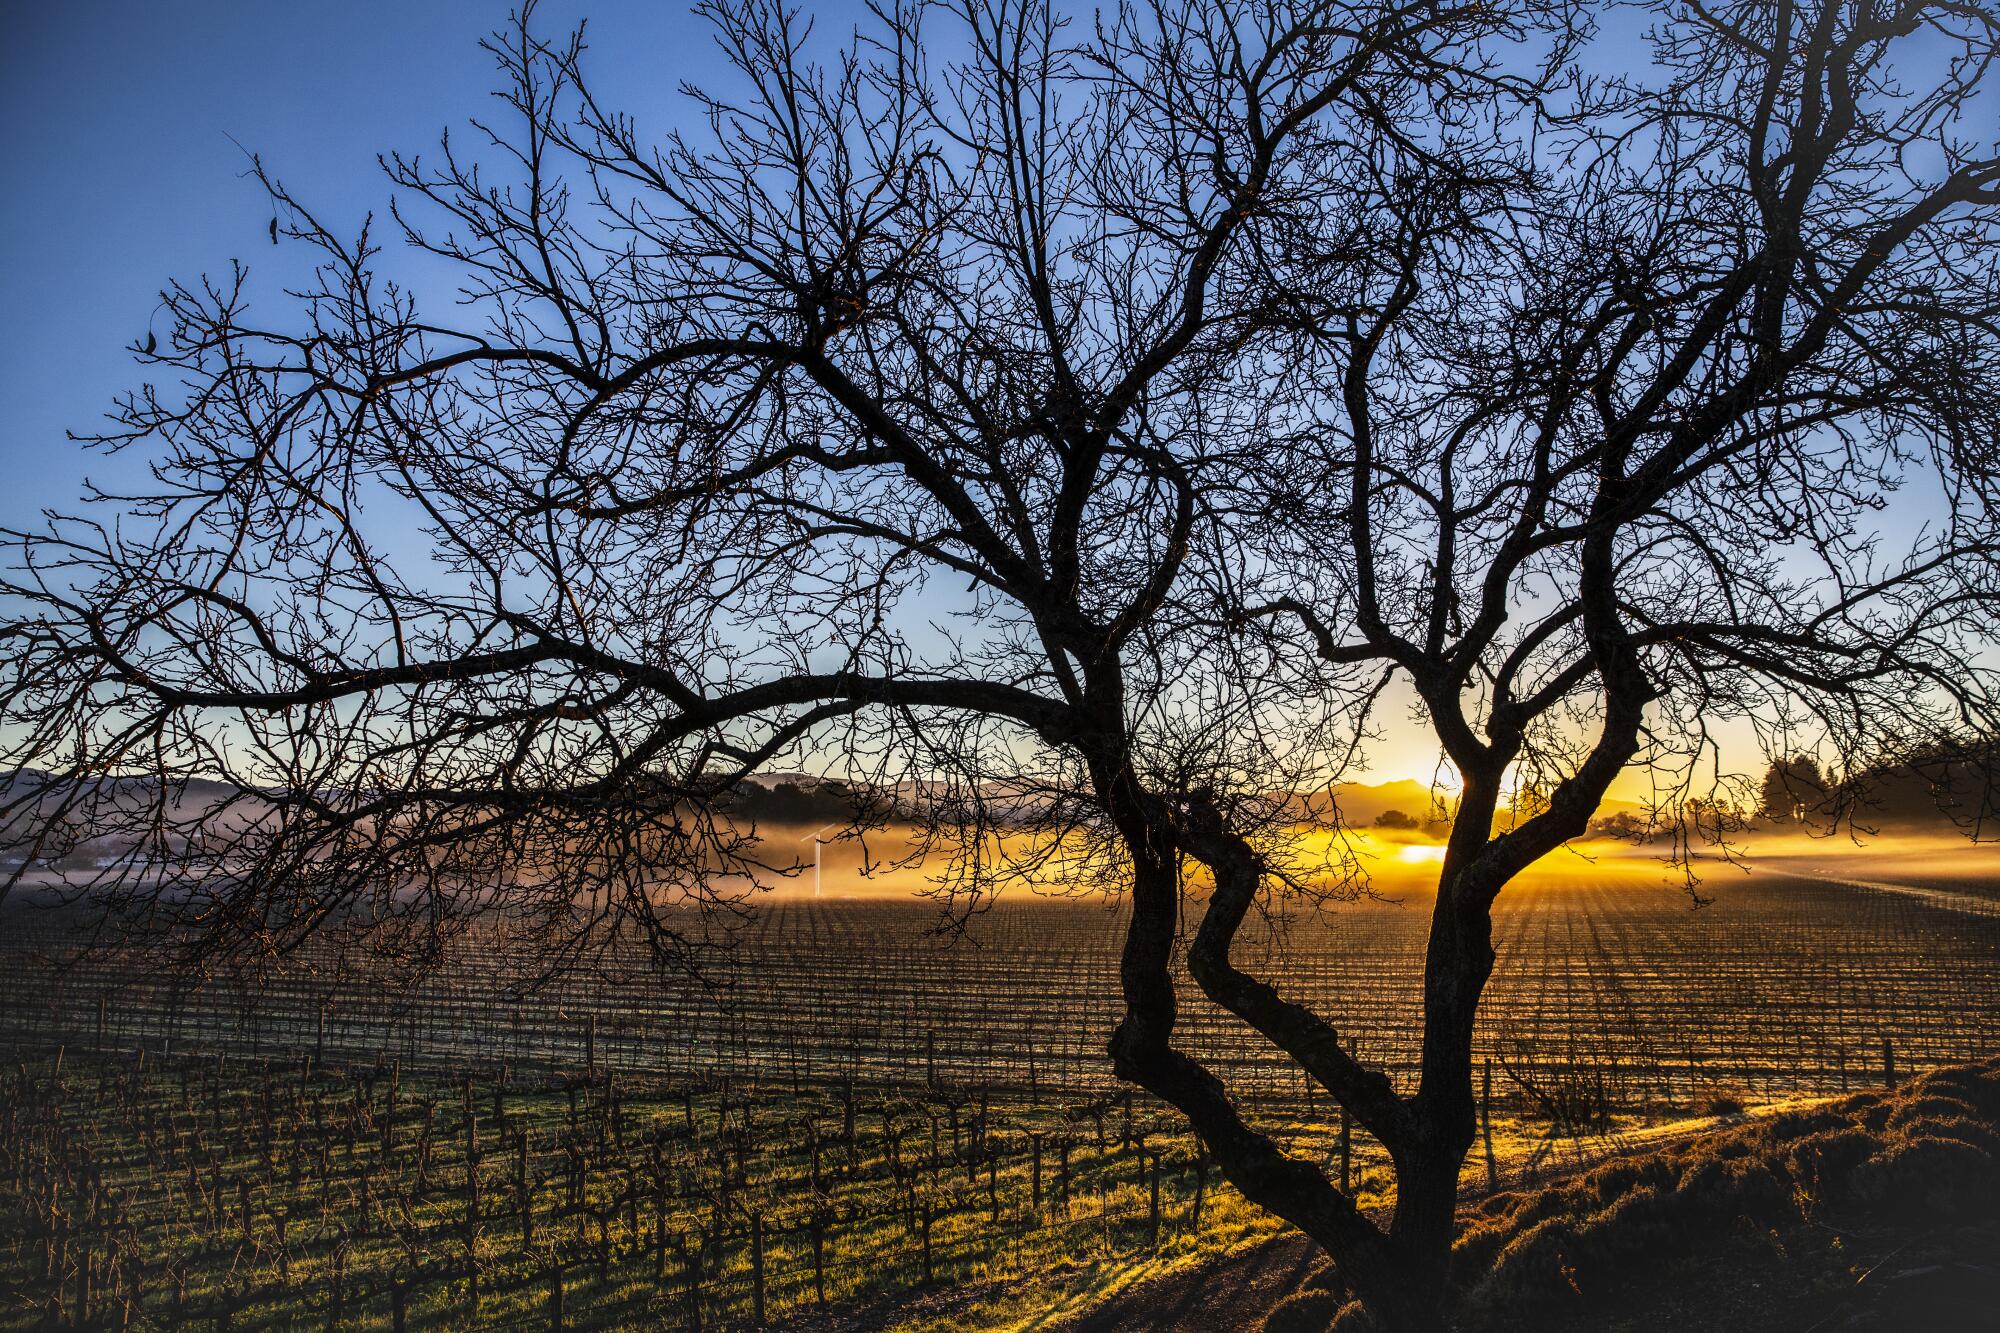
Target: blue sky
column 123, row 165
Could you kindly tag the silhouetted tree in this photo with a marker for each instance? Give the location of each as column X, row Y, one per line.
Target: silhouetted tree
column 1943, row 781
column 1792, row 787
column 1623, row 824
column 1232, row 359
column 1395, row 819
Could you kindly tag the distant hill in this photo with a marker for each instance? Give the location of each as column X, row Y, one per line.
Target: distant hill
column 803, row 799
column 1361, row 803
column 795, row 801
column 24, row 782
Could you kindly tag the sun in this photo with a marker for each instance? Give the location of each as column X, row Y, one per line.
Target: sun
column 1421, row 853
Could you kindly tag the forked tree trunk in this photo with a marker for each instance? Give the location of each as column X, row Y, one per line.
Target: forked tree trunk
column 1401, row 1274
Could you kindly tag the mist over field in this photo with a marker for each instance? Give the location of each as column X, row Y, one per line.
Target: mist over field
column 1396, row 861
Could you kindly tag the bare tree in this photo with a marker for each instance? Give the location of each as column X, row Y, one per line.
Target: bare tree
column 1611, row 452
column 1790, row 788
column 1062, row 428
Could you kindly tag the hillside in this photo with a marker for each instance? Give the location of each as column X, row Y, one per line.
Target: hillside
column 1876, row 1212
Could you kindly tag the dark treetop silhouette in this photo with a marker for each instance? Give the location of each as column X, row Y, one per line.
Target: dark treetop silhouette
column 1196, row 368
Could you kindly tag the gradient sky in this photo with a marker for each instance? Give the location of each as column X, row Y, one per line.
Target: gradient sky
column 126, row 166
column 130, row 129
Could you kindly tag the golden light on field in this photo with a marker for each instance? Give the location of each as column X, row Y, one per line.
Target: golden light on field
column 1393, row 862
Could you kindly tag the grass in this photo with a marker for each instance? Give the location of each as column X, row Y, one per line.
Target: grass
column 1618, row 1007
column 1777, row 1222
column 642, row 1197
column 356, row 1183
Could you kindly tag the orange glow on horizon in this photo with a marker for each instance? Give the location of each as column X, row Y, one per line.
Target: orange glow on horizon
column 1397, row 861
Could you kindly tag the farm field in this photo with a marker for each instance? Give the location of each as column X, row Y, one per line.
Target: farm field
column 262, row 1196
column 852, row 1111
column 1777, row 986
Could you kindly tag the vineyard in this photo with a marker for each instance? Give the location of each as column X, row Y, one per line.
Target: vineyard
column 849, row 1110
column 365, row 1197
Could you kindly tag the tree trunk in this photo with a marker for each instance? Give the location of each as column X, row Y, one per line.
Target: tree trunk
column 1402, row 1276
